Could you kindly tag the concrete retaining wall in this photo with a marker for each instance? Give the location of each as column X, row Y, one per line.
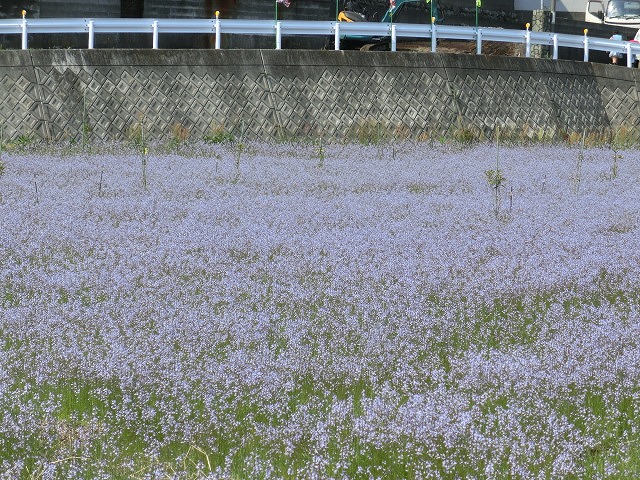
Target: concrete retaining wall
column 49, row 94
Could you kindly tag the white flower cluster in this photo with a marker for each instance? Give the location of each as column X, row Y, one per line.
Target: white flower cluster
column 375, row 316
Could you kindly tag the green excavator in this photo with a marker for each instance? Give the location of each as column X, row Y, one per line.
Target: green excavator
column 398, row 11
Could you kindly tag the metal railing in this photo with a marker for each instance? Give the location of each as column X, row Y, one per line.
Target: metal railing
column 338, row 30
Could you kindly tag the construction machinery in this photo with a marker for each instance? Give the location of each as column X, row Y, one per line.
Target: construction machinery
column 398, row 11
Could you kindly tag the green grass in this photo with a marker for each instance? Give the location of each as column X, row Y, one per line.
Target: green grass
column 500, row 325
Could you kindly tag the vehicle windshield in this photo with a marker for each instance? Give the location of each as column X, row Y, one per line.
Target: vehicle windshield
column 368, row 8
column 413, row 12
column 623, row 8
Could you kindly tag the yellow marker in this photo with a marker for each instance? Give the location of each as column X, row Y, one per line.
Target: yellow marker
column 586, row 30
column 24, row 13
column 433, row 19
column 217, row 13
column 528, row 25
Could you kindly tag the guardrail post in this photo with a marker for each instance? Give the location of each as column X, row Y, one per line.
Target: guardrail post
column 336, row 36
column 527, row 42
column 629, row 62
column 555, row 46
column 91, row 34
column 217, row 46
column 393, row 37
column 155, row 35
column 586, row 45
column 278, row 36
column 434, row 39
column 25, row 40
column 478, row 42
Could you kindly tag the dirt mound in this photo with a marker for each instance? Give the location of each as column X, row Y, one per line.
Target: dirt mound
column 464, row 46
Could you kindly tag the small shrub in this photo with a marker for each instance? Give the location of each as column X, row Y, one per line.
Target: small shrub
column 320, row 153
column 466, row 135
column 136, row 135
column 86, row 130
column 218, row 134
column 591, row 138
column 427, row 136
column 624, row 137
column 544, row 135
column 573, row 138
column 577, row 177
column 596, row 138
column 370, row 132
column 180, row 133
column 401, row 132
column 495, row 178
column 22, row 141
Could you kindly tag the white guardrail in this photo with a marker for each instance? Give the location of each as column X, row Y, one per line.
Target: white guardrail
column 339, row 30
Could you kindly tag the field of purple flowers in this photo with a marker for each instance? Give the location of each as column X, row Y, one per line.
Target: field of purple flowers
column 296, row 311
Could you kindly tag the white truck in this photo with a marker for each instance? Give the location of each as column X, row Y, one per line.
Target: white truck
column 618, row 13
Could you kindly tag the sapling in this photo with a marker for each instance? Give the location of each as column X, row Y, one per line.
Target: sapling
column 321, row 153
column 578, row 173
column 616, row 156
column 379, row 141
column 35, row 184
column 495, row 178
column 85, row 125
column 100, row 184
column 145, row 152
column 1, row 142
column 614, row 167
column 240, row 147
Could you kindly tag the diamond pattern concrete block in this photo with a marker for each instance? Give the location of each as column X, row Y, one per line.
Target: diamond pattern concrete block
column 620, row 107
column 218, row 87
column 579, row 103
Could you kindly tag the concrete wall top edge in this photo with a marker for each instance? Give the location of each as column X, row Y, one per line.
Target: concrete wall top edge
column 227, row 57
column 613, row 72
column 144, row 57
column 356, row 59
column 528, row 65
column 14, row 58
